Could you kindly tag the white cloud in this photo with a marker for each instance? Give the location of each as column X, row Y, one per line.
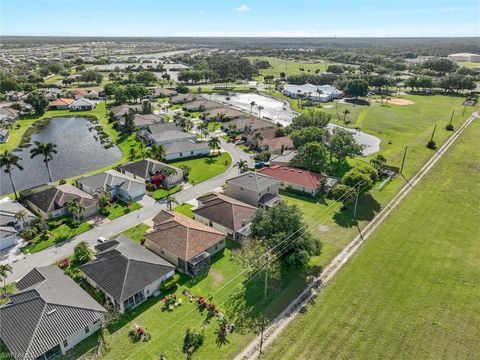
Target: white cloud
column 242, row 8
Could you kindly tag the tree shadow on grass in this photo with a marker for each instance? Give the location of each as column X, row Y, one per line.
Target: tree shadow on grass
column 209, row 160
column 366, row 210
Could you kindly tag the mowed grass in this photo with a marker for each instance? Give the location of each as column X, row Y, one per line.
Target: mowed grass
column 412, row 291
column 137, row 233
column 289, row 67
column 205, row 167
column 185, row 209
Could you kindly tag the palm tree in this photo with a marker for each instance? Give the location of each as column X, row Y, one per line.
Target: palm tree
column 8, row 160
column 257, row 137
column 228, row 100
column 21, row 216
column 167, row 172
column 46, row 150
column 214, row 143
column 103, row 197
column 252, row 104
column 5, row 269
column 158, row 152
column 170, row 200
column 75, row 208
column 260, row 108
column 203, row 128
column 242, row 165
column 133, row 154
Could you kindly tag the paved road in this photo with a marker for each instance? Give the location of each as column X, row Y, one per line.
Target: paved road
column 278, row 324
column 51, row 255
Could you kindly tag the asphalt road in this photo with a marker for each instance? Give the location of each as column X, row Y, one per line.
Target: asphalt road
column 51, row 255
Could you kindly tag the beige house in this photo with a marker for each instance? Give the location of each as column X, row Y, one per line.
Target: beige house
column 254, row 189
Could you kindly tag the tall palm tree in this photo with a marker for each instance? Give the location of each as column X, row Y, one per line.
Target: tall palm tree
column 8, row 160
column 260, row 108
column 242, row 165
column 158, row 152
column 75, row 208
column 5, row 269
column 257, row 137
column 103, row 197
column 46, row 150
column 214, row 143
column 203, row 128
column 170, row 200
column 21, row 216
column 252, row 104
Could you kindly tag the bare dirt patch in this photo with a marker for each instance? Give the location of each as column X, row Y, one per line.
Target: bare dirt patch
column 397, row 101
column 323, row 228
column 217, row 277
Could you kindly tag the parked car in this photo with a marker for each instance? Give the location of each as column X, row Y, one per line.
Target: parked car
column 101, row 240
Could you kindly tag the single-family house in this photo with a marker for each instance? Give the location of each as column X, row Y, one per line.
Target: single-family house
column 163, row 92
column 182, row 98
column 274, row 144
column 225, row 214
column 153, row 171
column 126, row 272
column 118, row 112
column 185, row 149
column 4, row 135
column 92, row 95
column 142, row 121
column 184, row 242
column 48, row 316
column 51, row 202
column 225, row 113
column 243, row 123
column 82, row 104
column 253, row 188
column 282, row 159
column 60, row 104
column 13, row 218
column 145, row 132
column 8, row 115
column 117, row 184
column 296, row 179
column 201, row 105
column 170, row 136
column 79, row 93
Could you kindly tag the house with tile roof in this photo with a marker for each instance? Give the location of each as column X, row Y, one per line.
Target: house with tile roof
column 117, row 184
column 51, row 202
column 48, row 316
column 153, row 171
column 296, row 179
column 254, row 188
column 82, row 104
column 126, row 272
column 184, row 242
column 60, row 104
column 225, row 214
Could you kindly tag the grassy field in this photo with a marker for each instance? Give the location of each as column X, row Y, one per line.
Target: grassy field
column 185, row 209
column 407, row 294
column 115, row 211
column 205, row 167
column 289, row 67
column 137, row 233
column 469, row 64
column 167, row 328
column 57, row 235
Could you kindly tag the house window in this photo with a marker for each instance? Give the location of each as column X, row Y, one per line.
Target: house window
column 65, row 343
column 191, row 152
column 241, row 187
column 148, row 291
column 181, row 154
column 87, row 329
column 210, row 223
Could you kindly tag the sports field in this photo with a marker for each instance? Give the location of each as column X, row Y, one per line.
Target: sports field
column 412, row 291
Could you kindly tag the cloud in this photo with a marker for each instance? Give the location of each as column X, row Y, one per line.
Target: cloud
column 242, row 8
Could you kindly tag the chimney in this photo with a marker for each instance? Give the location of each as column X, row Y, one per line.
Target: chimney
column 244, row 222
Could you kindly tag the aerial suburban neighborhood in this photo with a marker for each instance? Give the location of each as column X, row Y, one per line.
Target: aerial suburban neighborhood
column 242, row 188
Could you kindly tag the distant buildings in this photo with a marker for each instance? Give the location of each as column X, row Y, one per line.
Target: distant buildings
column 321, row 93
column 462, row 57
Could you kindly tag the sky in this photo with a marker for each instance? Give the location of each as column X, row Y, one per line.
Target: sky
column 310, row 18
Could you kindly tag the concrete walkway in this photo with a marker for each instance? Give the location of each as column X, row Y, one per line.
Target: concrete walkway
column 50, row 255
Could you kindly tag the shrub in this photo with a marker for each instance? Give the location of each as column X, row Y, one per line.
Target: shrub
column 139, row 333
column 369, row 170
column 357, row 179
column 449, row 127
column 343, row 193
column 63, row 263
column 171, row 283
column 28, row 234
column 431, row 145
column 192, row 341
column 150, row 187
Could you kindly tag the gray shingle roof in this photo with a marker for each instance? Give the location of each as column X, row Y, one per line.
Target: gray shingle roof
column 185, row 146
column 57, row 197
column 253, row 181
column 123, row 270
column 146, row 168
column 8, row 211
column 49, row 309
column 111, row 178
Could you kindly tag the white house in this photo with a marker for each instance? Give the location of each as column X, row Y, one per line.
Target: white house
column 82, row 104
column 185, row 149
column 321, row 93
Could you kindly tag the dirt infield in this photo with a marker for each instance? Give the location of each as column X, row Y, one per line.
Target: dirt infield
column 397, row 101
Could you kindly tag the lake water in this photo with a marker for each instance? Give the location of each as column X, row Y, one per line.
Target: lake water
column 279, row 111
column 78, row 152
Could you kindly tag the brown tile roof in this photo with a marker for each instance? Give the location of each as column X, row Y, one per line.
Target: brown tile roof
column 293, row 175
column 182, row 235
column 61, row 102
column 226, row 211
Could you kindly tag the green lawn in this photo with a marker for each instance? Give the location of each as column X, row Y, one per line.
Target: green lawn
column 469, row 64
column 214, row 125
column 163, row 193
column 167, row 328
column 412, row 290
column 205, row 167
column 137, row 233
column 289, row 67
column 115, row 211
column 185, row 209
column 57, row 235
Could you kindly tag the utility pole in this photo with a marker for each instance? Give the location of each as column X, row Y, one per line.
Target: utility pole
column 355, row 207
column 451, row 117
column 464, row 107
column 403, row 161
column 261, row 336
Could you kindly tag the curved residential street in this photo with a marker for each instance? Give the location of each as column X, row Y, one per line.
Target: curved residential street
column 51, row 255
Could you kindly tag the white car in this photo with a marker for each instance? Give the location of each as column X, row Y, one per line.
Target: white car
column 101, row 240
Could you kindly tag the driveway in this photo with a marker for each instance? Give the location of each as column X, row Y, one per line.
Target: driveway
column 50, row 255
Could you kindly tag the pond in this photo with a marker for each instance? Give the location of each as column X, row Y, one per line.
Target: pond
column 279, row 111
column 79, row 151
